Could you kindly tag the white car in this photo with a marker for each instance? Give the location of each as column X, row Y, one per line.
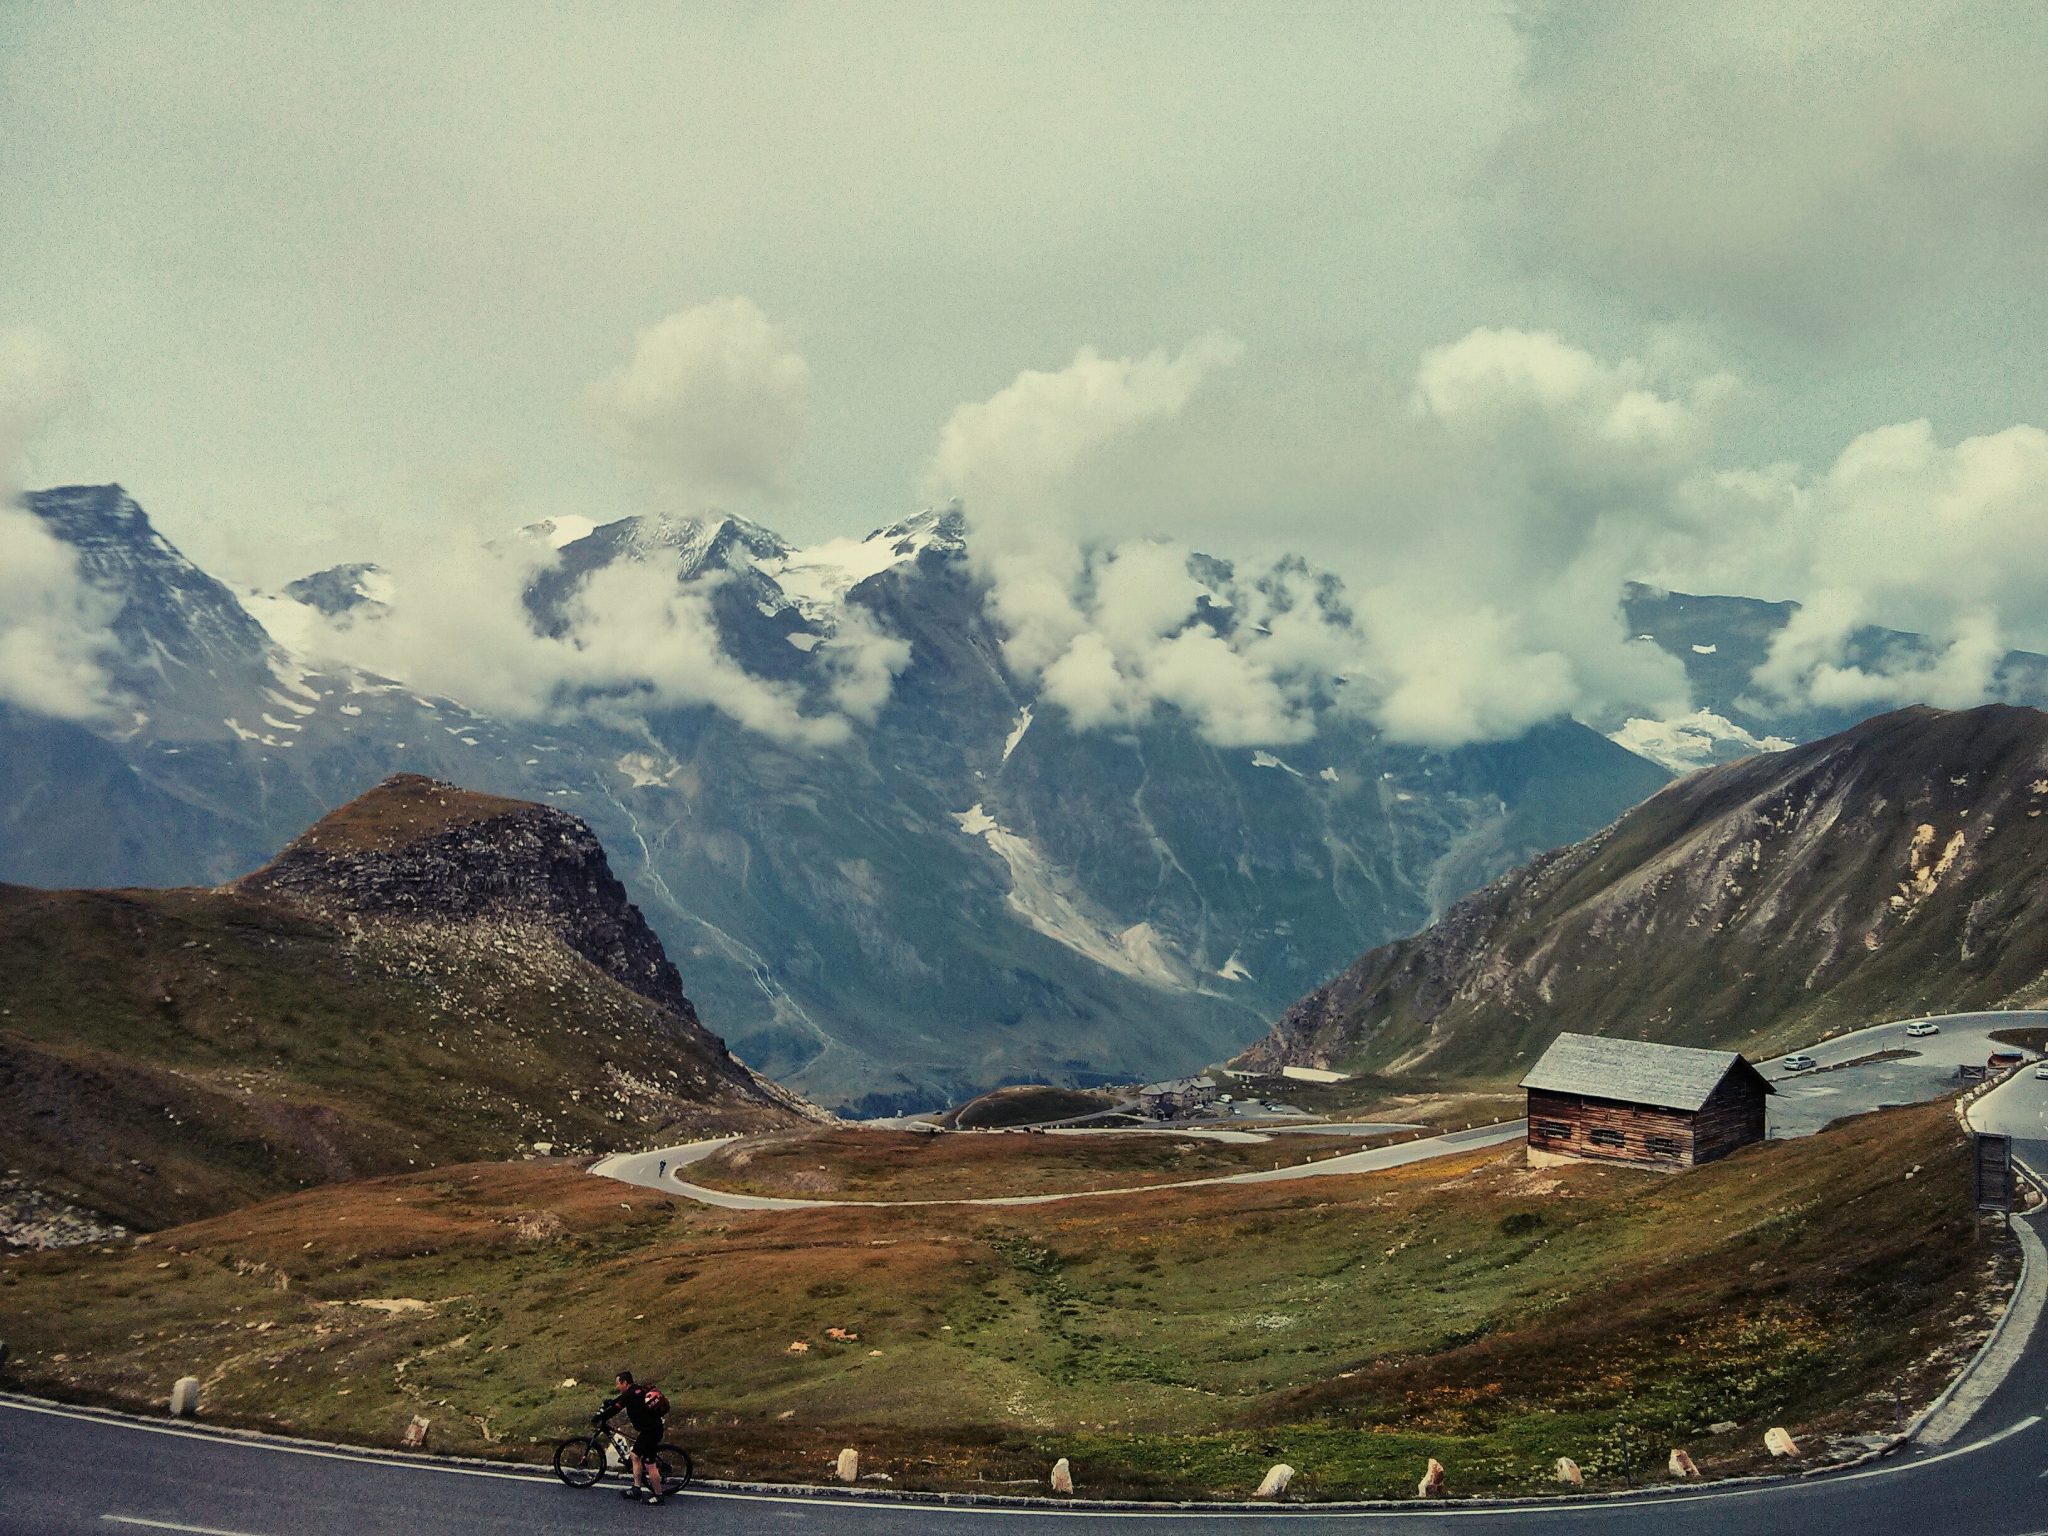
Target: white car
column 1798, row 1063
column 1922, row 1028
column 2041, row 1074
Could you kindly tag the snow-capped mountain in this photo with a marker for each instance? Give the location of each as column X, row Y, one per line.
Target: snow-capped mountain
column 966, row 891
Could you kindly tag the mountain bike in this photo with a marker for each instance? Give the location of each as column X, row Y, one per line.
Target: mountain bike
column 582, row 1460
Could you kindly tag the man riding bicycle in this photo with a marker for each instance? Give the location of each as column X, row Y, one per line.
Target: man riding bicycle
column 645, row 1408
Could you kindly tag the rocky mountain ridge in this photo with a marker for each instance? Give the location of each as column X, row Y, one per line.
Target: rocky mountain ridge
column 1899, row 867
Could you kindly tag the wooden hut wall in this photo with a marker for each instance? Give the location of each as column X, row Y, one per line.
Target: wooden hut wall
column 1733, row 1117
column 1634, row 1124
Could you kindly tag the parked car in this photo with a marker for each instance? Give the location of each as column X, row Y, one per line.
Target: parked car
column 1922, row 1028
column 1799, row 1063
column 2041, row 1073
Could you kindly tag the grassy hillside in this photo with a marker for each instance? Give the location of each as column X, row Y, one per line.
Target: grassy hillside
column 169, row 1054
column 1898, row 868
column 1472, row 1309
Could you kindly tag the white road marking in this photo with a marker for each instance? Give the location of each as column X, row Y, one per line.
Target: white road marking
column 172, row 1525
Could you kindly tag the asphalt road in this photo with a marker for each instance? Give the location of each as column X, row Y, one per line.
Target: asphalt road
column 68, row 1471
column 1806, row 1101
column 647, row 1170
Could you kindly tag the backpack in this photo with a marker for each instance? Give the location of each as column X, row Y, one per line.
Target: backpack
column 654, row 1401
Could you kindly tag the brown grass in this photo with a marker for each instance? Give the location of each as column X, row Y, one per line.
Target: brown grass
column 1175, row 1343
column 856, row 1164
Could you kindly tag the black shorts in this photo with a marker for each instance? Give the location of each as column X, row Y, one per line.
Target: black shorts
column 646, row 1442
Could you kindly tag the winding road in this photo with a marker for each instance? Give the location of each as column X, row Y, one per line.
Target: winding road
column 67, row 1470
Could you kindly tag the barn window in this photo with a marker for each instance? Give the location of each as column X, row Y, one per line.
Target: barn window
column 1555, row 1130
column 1662, row 1146
column 1606, row 1138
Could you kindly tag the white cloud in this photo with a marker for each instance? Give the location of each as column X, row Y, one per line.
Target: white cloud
column 635, row 640
column 712, row 405
column 1904, row 533
column 54, row 627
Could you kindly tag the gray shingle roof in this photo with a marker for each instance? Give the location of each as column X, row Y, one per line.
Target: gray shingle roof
column 1634, row 1071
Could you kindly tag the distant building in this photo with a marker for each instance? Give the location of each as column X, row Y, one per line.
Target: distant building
column 1180, row 1096
column 1629, row 1101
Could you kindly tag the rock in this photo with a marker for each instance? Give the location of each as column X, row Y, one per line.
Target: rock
column 849, row 1465
column 185, row 1397
column 1569, row 1474
column 1062, row 1477
column 1432, row 1484
column 840, row 1335
column 1682, row 1464
column 1778, row 1443
column 798, row 1348
column 416, row 1433
column 1724, row 1427
column 1274, row 1484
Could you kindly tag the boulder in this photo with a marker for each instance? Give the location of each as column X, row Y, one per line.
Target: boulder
column 1274, row 1484
column 1569, row 1474
column 1432, row 1484
column 1778, row 1443
column 1062, row 1477
column 849, row 1465
column 1682, row 1464
column 185, row 1397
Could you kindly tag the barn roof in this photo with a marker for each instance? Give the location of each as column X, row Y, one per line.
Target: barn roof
column 1636, row 1071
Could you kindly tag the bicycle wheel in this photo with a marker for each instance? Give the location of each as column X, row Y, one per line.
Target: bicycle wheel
column 580, row 1462
column 676, row 1466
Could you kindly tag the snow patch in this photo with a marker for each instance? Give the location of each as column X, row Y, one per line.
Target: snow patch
column 1705, row 650
column 1233, row 969
column 1268, row 760
column 1017, row 732
column 803, row 641
column 1328, row 775
column 1686, row 742
column 643, row 770
column 1040, row 898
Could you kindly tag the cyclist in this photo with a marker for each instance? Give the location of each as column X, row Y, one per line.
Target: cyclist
column 645, row 1408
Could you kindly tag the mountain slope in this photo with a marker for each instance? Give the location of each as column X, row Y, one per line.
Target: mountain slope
column 426, row 976
column 1899, row 867
column 967, row 891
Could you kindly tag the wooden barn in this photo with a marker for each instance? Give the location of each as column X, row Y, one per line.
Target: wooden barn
column 1629, row 1101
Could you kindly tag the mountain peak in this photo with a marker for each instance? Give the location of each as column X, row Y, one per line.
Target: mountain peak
column 415, row 849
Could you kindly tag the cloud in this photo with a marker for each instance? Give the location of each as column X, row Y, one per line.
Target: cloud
column 1905, row 533
column 712, row 406
column 1103, row 621
column 635, row 640
column 1807, row 171
column 54, row 626
column 1018, row 463
column 55, row 630
column 1474, row 597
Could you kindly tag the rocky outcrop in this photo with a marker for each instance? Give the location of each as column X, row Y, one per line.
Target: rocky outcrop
column 1899, row 867
column 416, row 849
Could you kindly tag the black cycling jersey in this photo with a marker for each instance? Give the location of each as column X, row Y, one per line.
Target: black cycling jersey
column 634, row 1401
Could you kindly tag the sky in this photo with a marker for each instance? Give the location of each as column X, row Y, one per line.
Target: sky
column 1487, row 307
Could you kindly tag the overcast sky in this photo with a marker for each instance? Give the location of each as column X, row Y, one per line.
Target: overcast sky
column 1582, row 293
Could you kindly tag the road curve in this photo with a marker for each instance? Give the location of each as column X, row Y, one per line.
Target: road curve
column 646, row 1170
